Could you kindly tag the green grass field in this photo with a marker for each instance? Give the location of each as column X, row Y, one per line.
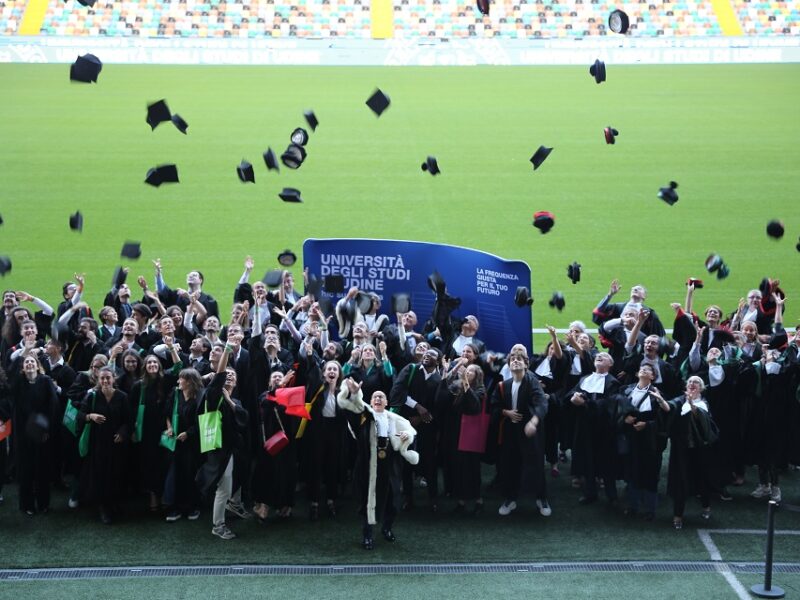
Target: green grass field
column 727, row 134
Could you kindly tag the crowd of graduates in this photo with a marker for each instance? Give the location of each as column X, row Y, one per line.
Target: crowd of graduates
column 166, row 402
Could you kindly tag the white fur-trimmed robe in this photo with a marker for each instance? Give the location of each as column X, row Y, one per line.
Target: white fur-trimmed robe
column 356, row 404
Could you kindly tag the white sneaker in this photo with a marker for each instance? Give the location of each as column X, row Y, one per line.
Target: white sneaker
column 222, row 531
column 423, row 483
column 72, row 503
column 506, row 508
column 544, row 508
column 238, row 509
column 775, row 496
column 761, row 491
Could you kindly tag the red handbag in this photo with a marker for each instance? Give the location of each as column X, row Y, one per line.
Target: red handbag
column 277, row 441
column 474, row 429
column 5, row 429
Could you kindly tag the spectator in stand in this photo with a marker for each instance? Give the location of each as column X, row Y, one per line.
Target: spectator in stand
column 607, row 310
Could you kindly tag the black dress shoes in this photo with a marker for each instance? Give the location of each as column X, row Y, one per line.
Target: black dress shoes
column 388, row 535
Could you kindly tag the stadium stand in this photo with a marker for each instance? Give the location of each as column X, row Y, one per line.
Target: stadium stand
column 413, row 19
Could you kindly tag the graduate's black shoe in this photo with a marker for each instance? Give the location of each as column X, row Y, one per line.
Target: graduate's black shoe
column 367, row 543
column 478, row 509
column 587, row 499
column 459, row 509
column 388, row 535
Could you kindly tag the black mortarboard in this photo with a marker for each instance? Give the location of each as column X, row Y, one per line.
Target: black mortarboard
column 157, row 113
column 668, row 194
column 287, row 258
column 76, row 221
column 85, row 69
column 311, row 119
column 598, row 71
column 37, row 427
column 522, row 297
column 299, row 136
column 611, row 135
column 178, row 121
column 483, row 6
column 87, row 2
column 162, row 174
column 401, row 302
column 271, row 161
column 798, row 244
column 431, row 166
column 574, row 272
column 119, row 277
column 314, row 286
column 132, row 250
column 5, row 265
column 1, row 220
column 697, row 283
column 334, row 284
column 364, row 302
column 294, row 156
column 437, row 283
column 618, row 21
column 713, row 262
column 557, row 301
column 290, row 195
column 325, row 305
column 543, row 221
column 378, row 102
column 245, row 172
column 775, row 229
column 539, row 156
column 273, row 278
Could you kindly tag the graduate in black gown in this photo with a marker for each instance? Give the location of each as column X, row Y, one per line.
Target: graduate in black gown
column 105, row 410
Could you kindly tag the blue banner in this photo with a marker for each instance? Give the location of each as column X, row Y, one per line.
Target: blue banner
column 485, row 283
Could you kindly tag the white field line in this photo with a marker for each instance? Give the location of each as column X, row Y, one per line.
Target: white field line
column 722, row 568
